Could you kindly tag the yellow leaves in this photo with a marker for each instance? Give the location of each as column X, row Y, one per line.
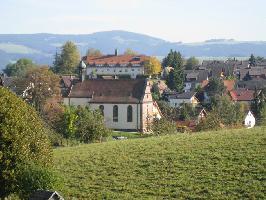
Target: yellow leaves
column 152, row 66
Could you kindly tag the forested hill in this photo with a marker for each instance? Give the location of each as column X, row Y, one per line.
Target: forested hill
column 42, row 47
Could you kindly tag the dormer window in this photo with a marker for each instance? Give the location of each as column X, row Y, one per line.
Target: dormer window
column 137, row 58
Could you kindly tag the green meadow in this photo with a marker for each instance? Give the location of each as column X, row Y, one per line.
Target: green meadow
column 227, row 164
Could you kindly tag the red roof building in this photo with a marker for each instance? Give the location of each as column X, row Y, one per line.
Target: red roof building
column 242, row 95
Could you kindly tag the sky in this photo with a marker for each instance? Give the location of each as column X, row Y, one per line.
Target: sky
column 171, row 20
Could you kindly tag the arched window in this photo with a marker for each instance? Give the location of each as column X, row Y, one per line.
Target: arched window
column 115, row 113
column 101, row 107
column 129, row 114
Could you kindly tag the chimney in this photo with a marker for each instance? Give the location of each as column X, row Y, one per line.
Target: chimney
column 116, row 52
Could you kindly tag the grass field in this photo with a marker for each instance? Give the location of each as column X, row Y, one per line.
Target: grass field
column 217, row 165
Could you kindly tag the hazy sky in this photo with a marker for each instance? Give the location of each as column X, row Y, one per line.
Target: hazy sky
column 172, row 20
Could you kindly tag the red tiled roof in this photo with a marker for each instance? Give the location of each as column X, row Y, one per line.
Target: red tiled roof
column 229, row 84
column 113, row 59
column 242, row 95
column 110, row 91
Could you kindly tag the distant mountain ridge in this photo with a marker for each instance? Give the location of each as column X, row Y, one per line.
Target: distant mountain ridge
column 42, row 47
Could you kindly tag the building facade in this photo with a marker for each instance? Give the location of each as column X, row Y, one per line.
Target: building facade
column 125, row 104
column 114, row 65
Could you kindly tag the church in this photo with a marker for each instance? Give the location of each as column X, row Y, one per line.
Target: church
column 126, row 104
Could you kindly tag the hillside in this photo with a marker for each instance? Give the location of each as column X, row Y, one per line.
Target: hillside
column 217, row 165
column 42, row 47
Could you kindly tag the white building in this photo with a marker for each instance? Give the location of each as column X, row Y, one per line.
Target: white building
column 114, row 65
column 250, row 120
column 175, row 100
column 125, row 104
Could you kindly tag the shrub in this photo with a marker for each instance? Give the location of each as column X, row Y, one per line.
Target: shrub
column 163, row 127
column 23, row 138
column 90, row 126
column 32, row 177
column 211, row 122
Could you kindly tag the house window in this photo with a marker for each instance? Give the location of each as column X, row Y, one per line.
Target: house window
column 115, row 113
column 129, row 114
column 101, row 107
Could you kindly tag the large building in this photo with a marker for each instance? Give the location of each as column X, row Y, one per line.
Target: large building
column 114, row 65
column 126, row 104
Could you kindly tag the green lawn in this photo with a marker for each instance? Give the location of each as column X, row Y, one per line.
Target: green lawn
column 215, row 165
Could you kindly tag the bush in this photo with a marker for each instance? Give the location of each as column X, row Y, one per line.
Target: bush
column 32, row 177
column 211, row 122
column 163, row 127
column 23, row 138
column 90, row 126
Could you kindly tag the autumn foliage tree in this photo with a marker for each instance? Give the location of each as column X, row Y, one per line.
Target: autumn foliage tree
column 152, row 66
column 94, row 52
column 39, row 85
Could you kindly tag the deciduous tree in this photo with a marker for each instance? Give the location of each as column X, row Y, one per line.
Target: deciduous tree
column 67, row 62
column 94, row 52
column 19, row 68
column 152, row 66
column 191, row 63
column 37, row 86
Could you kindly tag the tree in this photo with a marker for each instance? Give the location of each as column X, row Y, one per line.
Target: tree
column 90, row 125
column 19, row 68
column 94, row 52
column 186, row 112
column 252, row 60
column 211, row 122
column 215, row 87
column 40, row 84
column 230, row 114
column 175, row 80
column 168, row 60
column 152, row 66
column 130, row 52
column 163, row 127
column 69, row 122
column 24, row 139
column 67, row 62
column 178, row 61
column 171, row 114
column 191, row 63
column 155, row 91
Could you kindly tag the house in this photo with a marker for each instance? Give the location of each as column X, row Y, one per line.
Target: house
column 252, row 84
column 194, row 78
column 66, row 82
column 176, row 99
column 126, row 104
column 45, row 195
column 114, row 65
column 229, row 86
column 6, row 81
column 250, row 120
column 242, row 95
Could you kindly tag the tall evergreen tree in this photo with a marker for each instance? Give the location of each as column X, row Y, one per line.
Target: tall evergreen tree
column 252, row 60
column 168, row 60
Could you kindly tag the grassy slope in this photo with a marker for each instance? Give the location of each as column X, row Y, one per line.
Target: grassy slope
column 228, row 164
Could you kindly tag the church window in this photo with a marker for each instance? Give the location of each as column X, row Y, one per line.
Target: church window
column 129, row 114
column 101, row 107
column 115, row 113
